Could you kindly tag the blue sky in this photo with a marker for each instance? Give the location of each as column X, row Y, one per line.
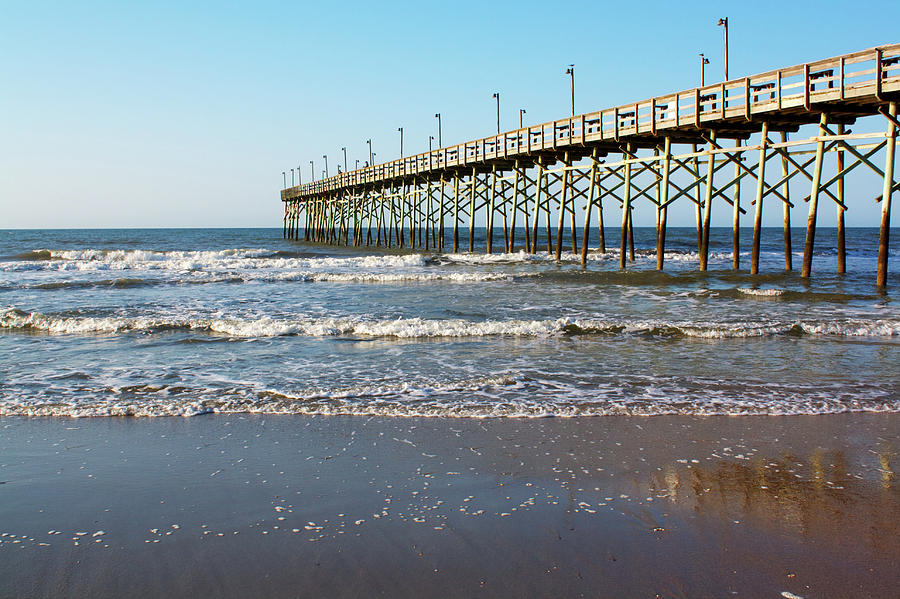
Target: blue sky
column 185, row 114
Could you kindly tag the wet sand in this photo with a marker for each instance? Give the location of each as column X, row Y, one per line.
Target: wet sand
column 297, row 506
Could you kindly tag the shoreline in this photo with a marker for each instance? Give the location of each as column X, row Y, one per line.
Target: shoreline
column 340, row 506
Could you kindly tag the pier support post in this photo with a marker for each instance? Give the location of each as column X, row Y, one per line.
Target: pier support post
column 786, row 192
column 370, row 212
column 662, row 207
column 443, row 211
column 601, row 230
column 698, row 199
column 841, row 239
column 395, row 218
column 379, row 218
column 760, row 192
column 428, row 217
column 455, row 212
column 884, row 237
column 548, row 196
column 503, row 202
column 587, row 214
column 291, row 215
column 631, row 234
column 474, row 182
column 490, row 212
column 626, row 208
column 306, row 227
column 814, row 200
column 707, row 202
column 402, row 214
column 562, row 206
column 736, row 214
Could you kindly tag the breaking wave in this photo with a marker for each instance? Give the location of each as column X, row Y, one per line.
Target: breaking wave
column 232, row 259
column 14, row 319
column 507, row 396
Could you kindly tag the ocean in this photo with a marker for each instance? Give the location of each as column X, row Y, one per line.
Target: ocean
column 186, row 322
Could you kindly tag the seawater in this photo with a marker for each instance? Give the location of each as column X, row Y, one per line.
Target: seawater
column 189, row 322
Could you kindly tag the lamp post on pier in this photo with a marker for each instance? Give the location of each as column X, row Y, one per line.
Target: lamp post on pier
column 724, row 23
column 400, row 129
column 345, row 158
column 496, row 96
column 357, row 164
column 326, row 164
column 571, row 73
column 438, row 117
column 292, row 177
column 312, row 170
column 284, row 179
column 521, row 112
column 299, row 178
column 703, row 62
column 371, row 155
column 430, row 139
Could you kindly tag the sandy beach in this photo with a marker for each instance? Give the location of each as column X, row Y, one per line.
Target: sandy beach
column 311, row 506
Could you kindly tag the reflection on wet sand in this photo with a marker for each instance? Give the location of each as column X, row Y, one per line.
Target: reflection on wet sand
column 817, row 495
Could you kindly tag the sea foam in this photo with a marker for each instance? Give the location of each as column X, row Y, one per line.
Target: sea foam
column 13, row 319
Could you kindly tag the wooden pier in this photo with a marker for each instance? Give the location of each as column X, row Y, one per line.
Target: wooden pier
column 668, row 148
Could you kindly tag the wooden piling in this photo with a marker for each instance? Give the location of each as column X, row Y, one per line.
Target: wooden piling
column 429, row 239
column 786, row 192
column 490, row 211
column 887, row 192
column 562, row 208
column 402, row 214
column 736, row 212
column 525, row 212
column 587, row 214
column 662, row 207
column 760, row 192
column 502, row 204
column 707, row 203
column 455, row 212
column 443, row 211
column 601, row 227
column 473, row 184
column 814, row 200
column 626, row 209
column 548, row 196
column 631, row 234
column 841, row 241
